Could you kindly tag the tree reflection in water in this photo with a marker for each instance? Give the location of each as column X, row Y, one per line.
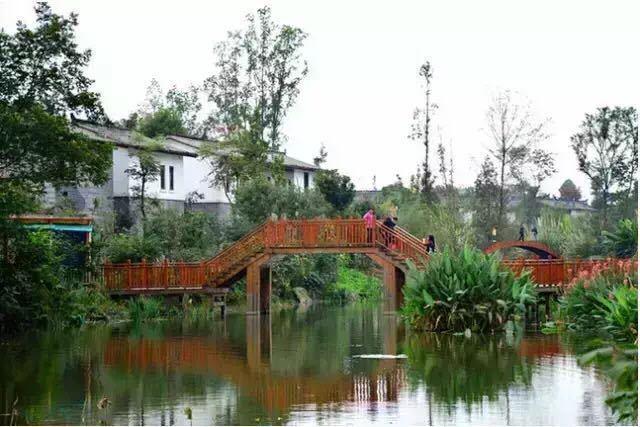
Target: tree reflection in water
column 456, row 369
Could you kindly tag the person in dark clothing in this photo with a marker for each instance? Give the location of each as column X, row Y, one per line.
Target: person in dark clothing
column 389, row 222
column 431, row 244
column 534, row 231
column 521, row 235
column 389, row 239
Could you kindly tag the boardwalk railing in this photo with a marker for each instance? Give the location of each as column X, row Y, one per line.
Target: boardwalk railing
column 563, row 272
column 154, row 276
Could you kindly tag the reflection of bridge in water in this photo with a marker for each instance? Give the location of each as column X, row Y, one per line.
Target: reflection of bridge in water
column 249, row 368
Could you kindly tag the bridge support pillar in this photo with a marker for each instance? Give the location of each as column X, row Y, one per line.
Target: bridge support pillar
column 393, row 283
column 258, row 288
column 258, row 335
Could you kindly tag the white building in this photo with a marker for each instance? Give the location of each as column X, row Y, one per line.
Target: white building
column 183, row 173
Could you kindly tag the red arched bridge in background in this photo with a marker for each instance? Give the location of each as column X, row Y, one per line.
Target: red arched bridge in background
column 250, row 257
column 541, row 250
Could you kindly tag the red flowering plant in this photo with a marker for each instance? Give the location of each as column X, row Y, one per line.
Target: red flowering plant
column 599, row 291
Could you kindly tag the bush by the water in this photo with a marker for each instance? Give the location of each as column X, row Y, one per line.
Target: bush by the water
column 465, row 290
column 620, row 363
column 604, row 304
column 353, row 284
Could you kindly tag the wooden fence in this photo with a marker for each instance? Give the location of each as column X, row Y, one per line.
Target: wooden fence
column 563, row 272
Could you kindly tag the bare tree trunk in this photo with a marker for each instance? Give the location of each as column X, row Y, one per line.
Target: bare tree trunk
column 501, row 203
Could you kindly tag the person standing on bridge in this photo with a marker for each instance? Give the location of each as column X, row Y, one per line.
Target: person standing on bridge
column 521, row 235
column 534, row 232
column 431, row 244
column 370, row 223
column 389, row 239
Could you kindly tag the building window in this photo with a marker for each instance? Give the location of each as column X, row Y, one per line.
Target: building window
column 171, row 178
column 306, row 180
column 162, row 179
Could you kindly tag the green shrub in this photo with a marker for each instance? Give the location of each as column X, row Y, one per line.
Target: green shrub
column 569, row 236
column 620, row 363
column 623, row 242
column 144, row 308
column 311, row 272
column 353, row 285
column 257, row 199
column 188, row 236
column 603, row 305
column 123, row 247
column 620, row 312
column 467, row 290
column 447, row 225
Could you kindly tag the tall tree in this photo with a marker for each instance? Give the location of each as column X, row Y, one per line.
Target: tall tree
column 37, row 95
column 486, row 198
column 43, row 66
column 144, row 171
column 256, row 81
column 42, row 83
column 420, row 131
column 172, row 112
column 569, row 191
column 516, row 136
column 607, row 149
column 337, row 189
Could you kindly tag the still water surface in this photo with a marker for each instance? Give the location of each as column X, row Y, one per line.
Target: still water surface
column 296, row 367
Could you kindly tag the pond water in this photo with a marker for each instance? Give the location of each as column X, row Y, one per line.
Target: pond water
column 295, row 367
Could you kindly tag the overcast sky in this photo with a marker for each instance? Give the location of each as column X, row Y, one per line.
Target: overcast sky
column 567, row 57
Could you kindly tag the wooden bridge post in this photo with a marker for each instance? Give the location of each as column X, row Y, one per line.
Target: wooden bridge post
column 393, row 283
column 258, row 287
column 258, row 336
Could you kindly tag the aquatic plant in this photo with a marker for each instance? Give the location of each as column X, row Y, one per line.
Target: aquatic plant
column 603, row 302
column 465, row 290
column 620, row 363
column 144, row 308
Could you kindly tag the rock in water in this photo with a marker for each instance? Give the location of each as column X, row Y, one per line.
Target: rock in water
column 302, row 295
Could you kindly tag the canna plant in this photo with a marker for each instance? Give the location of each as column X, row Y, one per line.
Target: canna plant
column 464, row 290
column 620, row 363
column 619, row 309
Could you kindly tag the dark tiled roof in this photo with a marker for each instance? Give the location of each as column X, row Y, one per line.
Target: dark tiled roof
column 127, row 138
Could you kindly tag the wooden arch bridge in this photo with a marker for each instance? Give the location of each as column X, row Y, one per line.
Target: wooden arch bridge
column 250, row 257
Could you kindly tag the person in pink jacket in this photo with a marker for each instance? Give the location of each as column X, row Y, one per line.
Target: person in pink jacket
column 370, row 222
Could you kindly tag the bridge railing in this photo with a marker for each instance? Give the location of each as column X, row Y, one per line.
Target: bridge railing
column 395, row 241
column 317, row 233
column 145, row 276
column 564, row 272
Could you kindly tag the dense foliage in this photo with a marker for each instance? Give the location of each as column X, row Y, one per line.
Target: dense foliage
column 464, row 290
column 570, row 237
column 620, row 363
column 352, row 283
column 337, row 189
column 258, row 199
column 36, row 95
column 623, row 241
column 604, row 304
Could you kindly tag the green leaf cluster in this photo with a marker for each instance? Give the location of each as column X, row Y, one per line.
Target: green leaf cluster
column 620, row 363
column 464, row 290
